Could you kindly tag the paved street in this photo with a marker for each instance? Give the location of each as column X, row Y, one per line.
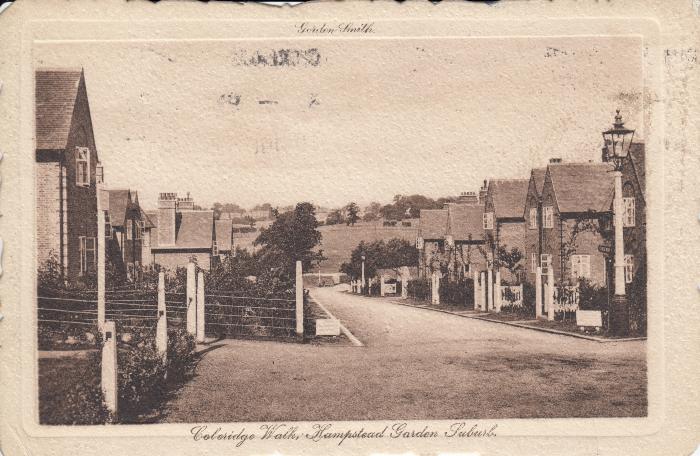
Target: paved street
column 416, row 364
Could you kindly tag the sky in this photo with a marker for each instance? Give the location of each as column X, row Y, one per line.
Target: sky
column 374, row 118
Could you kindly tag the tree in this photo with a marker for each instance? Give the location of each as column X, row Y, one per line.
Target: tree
column 510, row 260
column 408, row 206
column 380, row 255
column 372, row 212
column 291, row 237
column 351, row 213
column 335, row 217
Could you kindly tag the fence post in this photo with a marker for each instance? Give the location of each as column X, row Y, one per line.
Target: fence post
column 299, row 300
column 404, row 286
column 538, row 292
column 476, row 290
column 497, row 292
column 435, row 289
column 101, row 304
column 191, row 299
column 109, row 367
column 489, row 290
column 162, row 325
column 200, row 307
column 550, row 293
column 381, row 286
column 482, row 291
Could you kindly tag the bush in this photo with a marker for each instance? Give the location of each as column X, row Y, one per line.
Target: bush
column 141, row 380
column 591, row 296
column 459, row 293
column 181, row 355
column 419, row 289
column 375, row 288
column 637, row 298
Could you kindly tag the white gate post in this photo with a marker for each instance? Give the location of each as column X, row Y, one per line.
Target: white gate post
column 435, row 289
column 489, row 290
column 550, row 293
column 404, row 286
column 538, row 292
column 162, row 325
column 299, row 300
column 476, row 290
column 382, row 292
column 482, row 291
column 497, row 292
column 200, row 307
column 109, row 367
column 191, row 299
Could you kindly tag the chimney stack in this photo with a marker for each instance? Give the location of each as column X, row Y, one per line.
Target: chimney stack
column 167, row 205
column 469, row 198
column 483, row 191
column 555, row 160
column 186, row 203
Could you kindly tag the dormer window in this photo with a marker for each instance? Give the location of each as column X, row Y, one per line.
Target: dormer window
column 548, row 217
column 82, row 166
column 533, row 218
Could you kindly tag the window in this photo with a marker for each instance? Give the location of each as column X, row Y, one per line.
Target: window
column 87, row 254
column 129, row 230
column 533, row 218
column 214, row 249
column 533, row 261
column 628, row 212
column 108, row 226
column 82, row 166
column 139, row 229
column 488, row 220
column 548, row 216
column 629, row 268
column 545, row 262
column 581, row 266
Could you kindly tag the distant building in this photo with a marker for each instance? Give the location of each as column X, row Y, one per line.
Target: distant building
column 503, row 220
column 67, row 171
column 126, row 225
column 451, row 240
column 182, row 233
column 261, row 214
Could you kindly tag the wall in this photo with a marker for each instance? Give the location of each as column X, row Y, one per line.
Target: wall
column 48, row 206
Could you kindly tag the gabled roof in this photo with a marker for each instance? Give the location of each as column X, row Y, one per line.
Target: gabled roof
column 466, row 222
column 509, row 197
column 582, row 187
column 537, row 175
column 195, row 229
column 118, row 204
column 56, row 92
column 152, row 216
column 148, row 223
column 433, row 223
column 223, row 233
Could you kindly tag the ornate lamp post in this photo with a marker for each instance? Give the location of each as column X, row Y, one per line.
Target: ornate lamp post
column 362, row 288
column 617, row 146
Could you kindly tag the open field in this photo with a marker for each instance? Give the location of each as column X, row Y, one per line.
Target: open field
column 339, row 240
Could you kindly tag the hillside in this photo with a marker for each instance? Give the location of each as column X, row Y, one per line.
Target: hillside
column 339, row 240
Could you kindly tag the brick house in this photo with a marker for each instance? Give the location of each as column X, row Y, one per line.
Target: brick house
column 67, row 171
column 533, row 222
column 182, row 233
column 125, row 238
column 451, row 239
column 503, row 220
column 576, row 207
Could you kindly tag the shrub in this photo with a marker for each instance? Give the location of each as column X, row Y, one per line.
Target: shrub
column 375, row 288
column 181, row 355
column 141, row 380
column 591, row 296
column 528, row 307
column 459, row 293
column 637, row 298
column 419, row 289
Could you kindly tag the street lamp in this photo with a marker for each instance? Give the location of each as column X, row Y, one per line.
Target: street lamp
column 617, row 146
column 362, row 289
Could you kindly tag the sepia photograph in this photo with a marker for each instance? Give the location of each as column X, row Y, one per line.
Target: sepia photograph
column 304, row 238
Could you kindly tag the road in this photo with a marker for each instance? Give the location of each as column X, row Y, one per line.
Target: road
column 415, row 364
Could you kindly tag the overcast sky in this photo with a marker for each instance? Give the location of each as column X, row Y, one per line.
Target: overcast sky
column 375, row 117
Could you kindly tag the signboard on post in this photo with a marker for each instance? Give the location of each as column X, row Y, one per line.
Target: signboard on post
column 389, row 288
column 589, row 318
column 327, row 327
column 605, row 249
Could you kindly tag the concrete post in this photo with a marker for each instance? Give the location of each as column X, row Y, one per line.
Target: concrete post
column 538, row 292
column 109, row 367
column 404, row 286
column 435, row 289
column 550, row 293
column 162, row 325
column 381, row 286
column 101, row 302
column 362, row 286
column 200, row 308
column 191, row 299
column 489, row 290
column 497, row 292
column 476, row 290
column 482, row 291
column 299, row 300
